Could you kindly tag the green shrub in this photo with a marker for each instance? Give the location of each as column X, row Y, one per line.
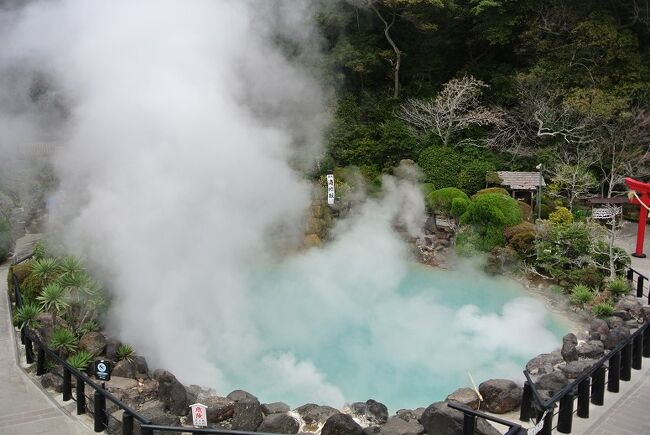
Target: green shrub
column 526, row 211
column 40, row 250
column 427, row 188
column 6, row 239
column 501, row 209
column 588, row 275
column 53, row 300
column 441, row 200
column 80, row 360
column 522, row 228
column 459, row 207
column 622, row 259
column 64, row 341
column 492, row 177
column 603, row 310
column 441, row 165
column 618, row 286
column 561, row 216
column 581, row 295
column 471, row 177
column 91, row 326
column 125, row 352
column 489, row 190
column 26, row 315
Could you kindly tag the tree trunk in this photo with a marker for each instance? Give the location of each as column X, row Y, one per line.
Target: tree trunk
column 398, row 53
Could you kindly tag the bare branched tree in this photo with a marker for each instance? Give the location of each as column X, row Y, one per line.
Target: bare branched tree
column 572, row 182
column 611, row 256
column 456, row 108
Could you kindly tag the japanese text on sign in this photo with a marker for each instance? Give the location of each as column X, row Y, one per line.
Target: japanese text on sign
column 330, row 189
column 199, row 415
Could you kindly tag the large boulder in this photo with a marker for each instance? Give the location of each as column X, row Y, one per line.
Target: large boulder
column 616, row 336
column 371, row 410
column 440, row 419
column 629, row 307
column 279, row 423
column 313, row 414
column 465, row 396
column 592, row 349
column 398, row 426
column 544, row 363
column 569, row 345
column 614, row 322
column 500, row 395
column 172, row 393
column 112, row 345
column 219, row 408
column 93, row 342
column 553, row 382
column 410, row 414
column 238, row 395
column 573, row 369
column 247, row 415
column 155, row 411
column 341, row 424
column 598, row 329
column 275, row 408
column 125, row 368
column 53, row 381
column 46, row 327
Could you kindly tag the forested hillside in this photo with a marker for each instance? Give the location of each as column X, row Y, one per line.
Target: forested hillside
column 466, row 87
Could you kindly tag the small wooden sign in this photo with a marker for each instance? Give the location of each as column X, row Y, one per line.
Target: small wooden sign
column 330, row 189
column 199, row 415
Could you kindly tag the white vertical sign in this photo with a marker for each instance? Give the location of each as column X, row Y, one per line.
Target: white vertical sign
column 199, row 415
column 330, row 189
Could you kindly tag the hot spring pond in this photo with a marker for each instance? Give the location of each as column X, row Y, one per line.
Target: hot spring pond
column 405, row 338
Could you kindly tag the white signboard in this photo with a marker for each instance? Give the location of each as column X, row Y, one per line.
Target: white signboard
column 330, row 189
column 199, row 415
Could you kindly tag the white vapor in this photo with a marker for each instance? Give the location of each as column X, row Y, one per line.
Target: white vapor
column 179, row 160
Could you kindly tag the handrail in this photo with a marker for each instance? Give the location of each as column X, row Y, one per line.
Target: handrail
column 513, row 428
column 200, row 430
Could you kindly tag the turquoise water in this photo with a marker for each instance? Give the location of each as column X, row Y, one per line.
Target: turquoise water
column 405, row 337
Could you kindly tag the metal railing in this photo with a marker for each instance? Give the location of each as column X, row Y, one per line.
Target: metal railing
column 589, row 387
column 31, row 340
column 470, row 419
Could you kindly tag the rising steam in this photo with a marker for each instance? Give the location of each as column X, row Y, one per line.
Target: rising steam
column 182, row 128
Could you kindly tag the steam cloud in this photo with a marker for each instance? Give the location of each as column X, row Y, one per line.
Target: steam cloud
column 177, row 160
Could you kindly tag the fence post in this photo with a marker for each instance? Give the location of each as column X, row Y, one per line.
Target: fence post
column 598, row 386
column 67, row 384
column 637, row 349
column 626, row 362
column 40, row 361
column 583, row 398
column 29, row 351
column 146, row 431
column 630, row 275
column 639, row 286
column 101, row 418
column 23, row 338
column 127, row 424
column 565, row 417
column 614, row 373
column 81, row 397
column 525, row 413
column 548, row 421
column 468, row 424
column 646, row 342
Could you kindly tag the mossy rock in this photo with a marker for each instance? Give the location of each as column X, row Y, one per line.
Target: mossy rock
column 524, row 227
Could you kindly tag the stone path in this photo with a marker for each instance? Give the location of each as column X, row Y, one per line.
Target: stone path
column 24, row 408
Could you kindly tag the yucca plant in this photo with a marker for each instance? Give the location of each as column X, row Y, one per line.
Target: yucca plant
column 45, row 271
column 125, row 352
column 91, row 326
column 80, row 360
column 603, row 310
column 40, row 250
column 53, row 300
column 618, row 286
column 26, row 315
column 64, row 341
column 581, row 295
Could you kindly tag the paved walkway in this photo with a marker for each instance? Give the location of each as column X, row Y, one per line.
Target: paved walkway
column 24, row 408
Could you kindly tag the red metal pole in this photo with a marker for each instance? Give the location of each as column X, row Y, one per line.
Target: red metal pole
column 640, row 235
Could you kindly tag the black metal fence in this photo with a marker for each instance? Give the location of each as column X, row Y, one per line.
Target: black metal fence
column 589, row 387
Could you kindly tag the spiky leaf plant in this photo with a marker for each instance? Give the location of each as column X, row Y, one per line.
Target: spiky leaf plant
column 64, row 341
column 618, row 286
column 581, row 295
column 125, row 352
column 26, row 315
column 53, row 300
column 80, row 360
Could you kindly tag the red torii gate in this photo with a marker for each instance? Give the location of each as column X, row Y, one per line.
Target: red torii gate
column 642, row 198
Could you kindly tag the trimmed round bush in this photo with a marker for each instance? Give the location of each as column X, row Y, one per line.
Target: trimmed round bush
column 441, row 165
column 441, row 200
column 561, row 216
column 488, row 190
column 501, row 208
column 459, row 206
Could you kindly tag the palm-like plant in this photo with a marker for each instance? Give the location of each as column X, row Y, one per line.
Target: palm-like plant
column 64, row 341
column 26, row 315
column 125, row 352
column 46, row 270
column 53, row 300
column 80, row 360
